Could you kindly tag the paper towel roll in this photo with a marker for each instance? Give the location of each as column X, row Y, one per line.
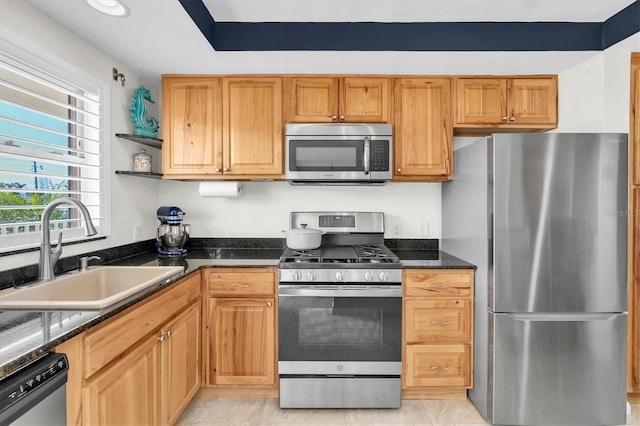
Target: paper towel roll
column 219, row 189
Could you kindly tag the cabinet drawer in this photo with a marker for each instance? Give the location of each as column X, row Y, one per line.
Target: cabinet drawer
column 438, row 283
column 225, row 282
column 437, row 321
column 438, row 366
column 110, row 339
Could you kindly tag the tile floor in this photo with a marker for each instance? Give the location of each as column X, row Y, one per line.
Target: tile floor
column 206, row 411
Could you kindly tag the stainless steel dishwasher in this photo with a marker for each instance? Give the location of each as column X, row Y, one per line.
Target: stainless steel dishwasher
column 36, row 393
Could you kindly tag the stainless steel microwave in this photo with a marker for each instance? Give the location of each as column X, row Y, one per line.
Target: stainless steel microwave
column 338, row 154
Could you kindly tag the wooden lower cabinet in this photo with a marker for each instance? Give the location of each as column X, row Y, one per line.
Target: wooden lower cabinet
column 141, row 367
column 180, row 363
column 243, row 341
column 438, row 366
column 437, row 333
column 241, row 324
column 127, row 392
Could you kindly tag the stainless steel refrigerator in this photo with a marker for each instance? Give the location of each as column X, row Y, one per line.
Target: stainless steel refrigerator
column 544, row 217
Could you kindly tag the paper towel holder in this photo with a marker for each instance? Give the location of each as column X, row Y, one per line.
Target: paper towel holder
column 219, row 189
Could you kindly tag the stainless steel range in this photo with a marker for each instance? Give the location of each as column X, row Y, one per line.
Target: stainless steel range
column 340, row 316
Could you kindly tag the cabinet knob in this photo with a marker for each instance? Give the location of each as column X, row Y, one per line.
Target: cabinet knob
column 217, row 169
column 226, row 169
column 399, row 170
column 512, row 118
column 269, row 304
column 334, row 117
column 161, row 337
column 341, row 117
column 168, row 333
column 505, row 118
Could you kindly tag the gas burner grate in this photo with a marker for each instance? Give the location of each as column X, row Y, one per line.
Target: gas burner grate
column 375, row 254
column 292, row 255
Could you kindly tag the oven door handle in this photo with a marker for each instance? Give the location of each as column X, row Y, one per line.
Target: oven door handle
column 341, row 291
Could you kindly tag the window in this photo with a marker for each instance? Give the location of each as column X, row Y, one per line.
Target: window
column 52, row 145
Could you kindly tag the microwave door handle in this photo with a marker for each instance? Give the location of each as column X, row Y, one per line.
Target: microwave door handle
column 367, row 153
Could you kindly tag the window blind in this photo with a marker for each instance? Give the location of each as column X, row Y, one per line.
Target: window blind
column 52, row 145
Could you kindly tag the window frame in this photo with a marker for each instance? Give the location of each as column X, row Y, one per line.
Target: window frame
column 55, row 66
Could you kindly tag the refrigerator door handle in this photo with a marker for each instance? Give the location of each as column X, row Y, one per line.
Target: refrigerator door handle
column 569, row 316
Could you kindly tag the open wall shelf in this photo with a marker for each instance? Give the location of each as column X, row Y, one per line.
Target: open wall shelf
column 151, row 175
column 146, row 140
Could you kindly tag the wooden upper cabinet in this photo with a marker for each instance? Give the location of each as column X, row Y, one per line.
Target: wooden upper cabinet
column 422, row 129
column 312, row 99
column 337, row 99
column 191, row 125
column 217, row 127
column 252, row 134
column 518, row 102
column 481, row 100
column 532, row 101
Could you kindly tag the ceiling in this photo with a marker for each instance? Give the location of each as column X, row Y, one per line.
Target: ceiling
column 160, row 37
column 413, row 10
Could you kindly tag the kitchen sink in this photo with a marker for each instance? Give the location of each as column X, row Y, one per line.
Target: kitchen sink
column 96, row 288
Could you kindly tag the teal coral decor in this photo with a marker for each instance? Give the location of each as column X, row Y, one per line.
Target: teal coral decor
column 144, row 126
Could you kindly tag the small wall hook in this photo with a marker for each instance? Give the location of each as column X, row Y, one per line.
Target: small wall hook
column 117, row 75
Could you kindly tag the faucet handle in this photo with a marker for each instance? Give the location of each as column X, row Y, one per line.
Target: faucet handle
column 84, row 261
column 56, row 252
column 58, row 248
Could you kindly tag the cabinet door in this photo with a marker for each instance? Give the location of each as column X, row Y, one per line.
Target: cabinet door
column 312, row 99
column 533, row 101
column 126, row 392
column 191, row 125
column 423, row 130
column 437, row 283
column 252, row 116
column 633, row 381
column 364, row 99
column 243, row 341
column 428, row 321
column 180, row 363
column 634, row 134
column 481, row 101
column 438, row 366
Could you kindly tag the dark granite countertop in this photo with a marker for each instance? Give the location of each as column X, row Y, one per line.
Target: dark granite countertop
column 26, row 335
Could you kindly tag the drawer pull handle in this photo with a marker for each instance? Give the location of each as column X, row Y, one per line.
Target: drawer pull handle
column 269, row 304
column 439, row 286
column 442, row 323
column 240, row 285
column 439, row 368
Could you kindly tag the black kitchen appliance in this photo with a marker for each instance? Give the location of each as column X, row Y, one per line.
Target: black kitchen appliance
column 340, row 316
column 171, row 234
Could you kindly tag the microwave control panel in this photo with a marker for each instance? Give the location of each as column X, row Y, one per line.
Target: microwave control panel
column 379, row 156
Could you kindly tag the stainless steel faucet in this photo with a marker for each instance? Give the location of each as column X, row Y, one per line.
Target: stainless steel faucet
column 49, row 256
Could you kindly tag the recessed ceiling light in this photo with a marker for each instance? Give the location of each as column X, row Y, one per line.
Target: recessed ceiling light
column 110, row 7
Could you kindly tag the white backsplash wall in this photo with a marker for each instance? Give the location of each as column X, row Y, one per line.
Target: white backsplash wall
column 412, row 210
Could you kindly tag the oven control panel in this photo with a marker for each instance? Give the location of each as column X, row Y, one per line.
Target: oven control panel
column 386, row 276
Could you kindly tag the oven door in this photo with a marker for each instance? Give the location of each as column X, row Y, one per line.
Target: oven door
column 340, row 330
